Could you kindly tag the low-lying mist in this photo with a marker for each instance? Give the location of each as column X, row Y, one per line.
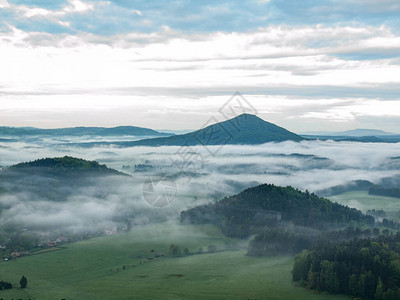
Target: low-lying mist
column 197, row 176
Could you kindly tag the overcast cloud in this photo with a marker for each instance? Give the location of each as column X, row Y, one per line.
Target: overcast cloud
column 330, row 65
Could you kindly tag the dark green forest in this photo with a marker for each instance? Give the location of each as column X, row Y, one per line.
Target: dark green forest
column 252, row 210
column 278, row 240
column 66, row 166
column 52, row 178
column 387, row 188
column 382, row 191
column 368, row 268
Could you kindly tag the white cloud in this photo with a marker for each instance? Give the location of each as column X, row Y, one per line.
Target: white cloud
column 225, row 60
column 4, row 4
column 78, row 6
column 64, row 23
column 138, row 12
column 71, row 70
column 32, row 12
column 74, row 6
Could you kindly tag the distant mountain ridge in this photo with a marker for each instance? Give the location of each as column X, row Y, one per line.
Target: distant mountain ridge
column 352, row 133
column 363, row 139
column 355, row 135
column 245, row 129
column 81, row 131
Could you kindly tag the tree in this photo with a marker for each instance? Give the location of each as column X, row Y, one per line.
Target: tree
column 389, row 295
column 23, row 282
column 380, row 288
column 212, row 248
column 328, row 278
column 5, row 285
column 353, row 285
column 175, row 250
column 300, row 268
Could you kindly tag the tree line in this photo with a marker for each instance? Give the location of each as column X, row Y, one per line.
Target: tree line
column 368, row 268
column 382, row 191
column 280, row 240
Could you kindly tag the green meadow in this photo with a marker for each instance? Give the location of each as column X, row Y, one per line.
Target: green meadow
column 123, row 266
column 363, row 201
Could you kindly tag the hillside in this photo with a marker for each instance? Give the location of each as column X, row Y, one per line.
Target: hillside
column 389, row 188
column 355, row 185
column 81, row 131
column 54, row 179
column 251, row 210
column 245, row 129
column 62, row 166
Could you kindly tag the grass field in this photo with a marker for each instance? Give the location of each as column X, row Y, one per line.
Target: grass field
column 363, row 201
column 93, row 269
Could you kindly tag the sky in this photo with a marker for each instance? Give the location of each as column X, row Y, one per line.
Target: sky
column 304, row 65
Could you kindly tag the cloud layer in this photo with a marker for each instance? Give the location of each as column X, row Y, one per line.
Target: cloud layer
column 327, row 64
column 312, row 165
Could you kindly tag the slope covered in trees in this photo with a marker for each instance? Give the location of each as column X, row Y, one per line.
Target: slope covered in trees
column 52, row 178
column 355, row 185
column 278, row 240
column 252, row 210
column 58, row 196
column 388, row 188
column 366, row 268
column 62, row 166
column 382, row 191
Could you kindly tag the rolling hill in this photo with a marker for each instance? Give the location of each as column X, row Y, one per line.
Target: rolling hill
column 250, row 211
column 54, row 179
column 61, row 167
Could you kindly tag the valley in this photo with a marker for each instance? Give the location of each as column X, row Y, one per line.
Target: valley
column 80, row 222
column 93, row 269
column 195, row 150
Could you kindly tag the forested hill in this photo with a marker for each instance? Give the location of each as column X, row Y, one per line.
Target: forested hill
column 66, row 166
column 54, row 179
column 254, row 208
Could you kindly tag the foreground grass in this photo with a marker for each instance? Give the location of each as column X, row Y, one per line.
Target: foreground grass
column 93, row 269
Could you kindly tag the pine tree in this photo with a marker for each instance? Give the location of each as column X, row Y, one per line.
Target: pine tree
column 380, row 289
